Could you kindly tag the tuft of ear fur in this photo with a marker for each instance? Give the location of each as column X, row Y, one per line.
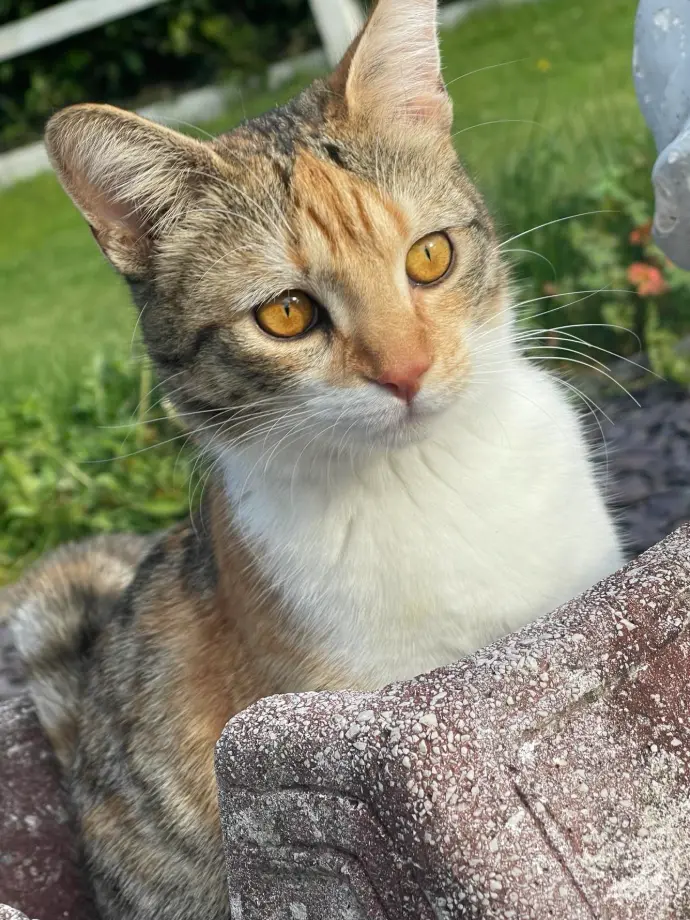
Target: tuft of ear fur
column 393, row 69
column 129, row 177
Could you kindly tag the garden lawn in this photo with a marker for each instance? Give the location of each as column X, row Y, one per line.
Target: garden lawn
column 570, row 73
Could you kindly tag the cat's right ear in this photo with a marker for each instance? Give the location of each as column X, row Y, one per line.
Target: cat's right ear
column 128, row 176
column 392, row 71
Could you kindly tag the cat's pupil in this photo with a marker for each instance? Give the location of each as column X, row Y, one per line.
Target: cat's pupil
column 286, row 307
column 427, row 250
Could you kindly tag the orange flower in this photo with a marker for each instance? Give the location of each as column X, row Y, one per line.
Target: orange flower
column 550, row 289
column 647, row 279
column 641, row 235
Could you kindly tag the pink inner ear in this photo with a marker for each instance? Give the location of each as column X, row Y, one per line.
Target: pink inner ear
column 427, row 107
column 111, row 214
column 117, row 227
column 105, row 213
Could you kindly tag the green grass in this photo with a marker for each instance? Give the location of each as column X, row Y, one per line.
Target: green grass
column 60, row 302
column 571, row 74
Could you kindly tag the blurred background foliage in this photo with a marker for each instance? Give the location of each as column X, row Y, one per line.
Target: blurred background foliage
column 147, row 56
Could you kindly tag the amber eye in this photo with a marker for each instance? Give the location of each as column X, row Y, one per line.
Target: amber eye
column 430, row 258
column 290, row 315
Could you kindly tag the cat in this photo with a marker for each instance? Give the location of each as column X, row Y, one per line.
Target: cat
column 323, row 294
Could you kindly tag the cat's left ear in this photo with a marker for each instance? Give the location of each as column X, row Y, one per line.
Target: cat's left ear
column 393, row 69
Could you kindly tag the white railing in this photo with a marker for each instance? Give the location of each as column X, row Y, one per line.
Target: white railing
column 52, row 25
column 337, row 21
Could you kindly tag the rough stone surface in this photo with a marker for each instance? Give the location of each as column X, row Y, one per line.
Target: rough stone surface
column 38, row 854
column 9, row 913
column 544, row 777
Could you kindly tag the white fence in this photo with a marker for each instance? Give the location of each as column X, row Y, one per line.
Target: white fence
column 337, row 21
column 58, row 22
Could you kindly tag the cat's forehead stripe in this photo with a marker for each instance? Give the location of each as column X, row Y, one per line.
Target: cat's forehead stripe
column 341, row 206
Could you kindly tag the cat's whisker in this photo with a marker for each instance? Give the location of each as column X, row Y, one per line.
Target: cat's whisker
column 277, row 446
column 137, row 323
column 220, row 410
column 589, row 293
column 285, row 420
column 515, row 306
column 248, row 439
column 202, row 483
column 530, row 318
column 538, row 255
column 550, row 223
column 471, row 73
column 595, row 362
column 591, row 405
column 143, row 450
column 306, row 446
column 195, row 432
column 526, row 336
column 267, row 419
column 589, row 401
column 613, row 326
column 291, row 430
column 576, row 338
column 341, row 442
column 188, row 124
column 596, row 369
column 139, row 423
column 287, row 440
column 498, row 121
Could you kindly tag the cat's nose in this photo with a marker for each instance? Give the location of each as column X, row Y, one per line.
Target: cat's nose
column 405, row 379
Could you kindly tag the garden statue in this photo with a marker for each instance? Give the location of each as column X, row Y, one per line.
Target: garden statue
column 661, row 66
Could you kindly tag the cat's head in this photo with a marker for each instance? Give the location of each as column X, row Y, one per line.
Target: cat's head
column 314, row 276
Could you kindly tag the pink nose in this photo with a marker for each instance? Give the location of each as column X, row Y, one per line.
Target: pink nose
column 405, row 380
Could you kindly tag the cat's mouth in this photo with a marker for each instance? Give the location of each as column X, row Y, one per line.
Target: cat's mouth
column 371, row 419
column 408, row 423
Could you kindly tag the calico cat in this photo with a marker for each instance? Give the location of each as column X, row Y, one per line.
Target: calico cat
column 324, row 296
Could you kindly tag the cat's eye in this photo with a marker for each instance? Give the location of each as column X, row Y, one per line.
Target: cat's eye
column 286, row 317
column 430, row 258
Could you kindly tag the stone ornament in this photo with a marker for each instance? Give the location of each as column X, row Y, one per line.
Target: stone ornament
column 661, row 67
column 39, row 866
column 544, row 777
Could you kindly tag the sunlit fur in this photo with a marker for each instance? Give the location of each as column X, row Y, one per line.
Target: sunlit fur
column 346, row 538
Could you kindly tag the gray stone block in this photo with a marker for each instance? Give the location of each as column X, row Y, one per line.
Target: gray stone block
column 9, row 913
column 544, row 777
column 39, row 870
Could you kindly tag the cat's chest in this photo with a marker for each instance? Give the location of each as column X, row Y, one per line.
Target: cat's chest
column 391, row 580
